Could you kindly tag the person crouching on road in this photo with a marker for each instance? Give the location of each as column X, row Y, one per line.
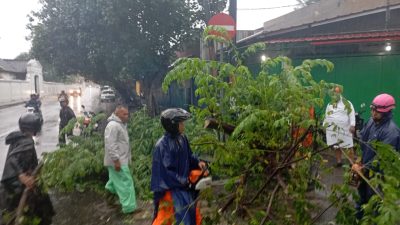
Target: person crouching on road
column 172, row 163
column 382, row 128
column 21, row 161
column 117, row 158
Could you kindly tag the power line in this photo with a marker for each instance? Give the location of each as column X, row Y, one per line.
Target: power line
column 276, row 7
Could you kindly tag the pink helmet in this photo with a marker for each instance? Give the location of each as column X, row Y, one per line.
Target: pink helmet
column 383, row 103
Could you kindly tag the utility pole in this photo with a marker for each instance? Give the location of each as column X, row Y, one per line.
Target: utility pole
column 233, row 13
column 207, row 10
column 203, row 48
column 387, row 16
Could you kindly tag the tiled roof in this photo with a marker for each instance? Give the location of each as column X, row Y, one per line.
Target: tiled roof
column 349, row 38
column 13, row 66
column 324, row 11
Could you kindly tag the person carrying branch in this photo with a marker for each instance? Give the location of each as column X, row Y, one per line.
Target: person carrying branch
column 20, row 163
column 382, row 128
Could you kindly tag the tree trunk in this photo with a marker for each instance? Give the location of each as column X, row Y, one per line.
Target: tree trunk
column 152, row 92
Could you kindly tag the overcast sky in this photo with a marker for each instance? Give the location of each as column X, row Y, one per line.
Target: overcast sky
column 13, row 20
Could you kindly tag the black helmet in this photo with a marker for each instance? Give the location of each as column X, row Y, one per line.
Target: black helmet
column 170, row 119
column 29, row 122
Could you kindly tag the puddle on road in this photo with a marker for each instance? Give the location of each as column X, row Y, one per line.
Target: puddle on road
column 84, row 209
column 90, row 208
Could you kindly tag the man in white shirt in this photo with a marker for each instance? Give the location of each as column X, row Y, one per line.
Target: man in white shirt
column 340, row 125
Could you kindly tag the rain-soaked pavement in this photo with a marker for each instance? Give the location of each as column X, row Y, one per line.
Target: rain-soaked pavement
column 330, row 175
column 92, row 209
column 47, row 139
column 76, row 208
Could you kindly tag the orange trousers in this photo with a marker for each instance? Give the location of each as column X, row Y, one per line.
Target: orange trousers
column 166, row 213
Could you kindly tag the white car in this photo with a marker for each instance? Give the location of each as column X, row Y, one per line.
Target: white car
column 107, row 96
column 75, row 92
column 105, row 87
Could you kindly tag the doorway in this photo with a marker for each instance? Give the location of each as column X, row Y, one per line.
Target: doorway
column 37, row 90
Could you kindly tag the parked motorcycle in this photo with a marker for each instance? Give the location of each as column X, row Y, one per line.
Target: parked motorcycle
column 83, row 128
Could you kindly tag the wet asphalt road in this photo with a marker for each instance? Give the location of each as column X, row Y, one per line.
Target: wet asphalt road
column 47, row 139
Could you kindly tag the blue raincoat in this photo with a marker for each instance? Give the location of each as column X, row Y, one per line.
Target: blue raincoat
column 385, row 131
column 172, row 162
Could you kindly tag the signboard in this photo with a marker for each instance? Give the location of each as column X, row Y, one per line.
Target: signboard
column 225, row 21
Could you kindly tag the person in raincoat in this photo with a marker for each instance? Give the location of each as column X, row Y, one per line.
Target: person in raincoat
column 66, row 114
column 340, row 124
column 117, row 159
column 20, row 163
column 382, row 128
column 174, row 199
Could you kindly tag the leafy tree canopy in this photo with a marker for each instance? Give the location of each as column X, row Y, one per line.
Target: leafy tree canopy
column 265, row 160
column 112, row 40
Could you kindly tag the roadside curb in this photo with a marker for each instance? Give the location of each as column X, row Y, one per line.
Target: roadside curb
column 20, row 102
column 11, row 104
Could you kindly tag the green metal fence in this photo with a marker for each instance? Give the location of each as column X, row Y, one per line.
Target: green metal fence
column 364, row 77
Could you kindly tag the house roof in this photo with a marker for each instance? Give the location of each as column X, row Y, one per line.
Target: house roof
column 343, row 38
column 326, row 10
column 13, row 66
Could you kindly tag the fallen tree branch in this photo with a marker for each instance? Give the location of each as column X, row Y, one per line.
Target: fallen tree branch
column 304, row 157
column 290, row 155
column 227, row 204
column 212, row 123
column 282, row 183
column 314, row 220
column 24, row 197
column 242, row 181
column 269, row 205
column 366, row 180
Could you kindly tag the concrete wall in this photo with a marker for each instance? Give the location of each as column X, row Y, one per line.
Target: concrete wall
column 17, row 91
column 12, row 91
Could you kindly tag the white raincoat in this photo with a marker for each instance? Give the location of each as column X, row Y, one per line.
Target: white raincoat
column 337, row 122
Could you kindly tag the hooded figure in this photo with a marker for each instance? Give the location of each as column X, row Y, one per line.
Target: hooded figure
column 117, row 158
column 173, row 161
column 21, row 161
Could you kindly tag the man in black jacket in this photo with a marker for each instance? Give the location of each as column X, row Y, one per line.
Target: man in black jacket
column 21, row 161
column 66, row 114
